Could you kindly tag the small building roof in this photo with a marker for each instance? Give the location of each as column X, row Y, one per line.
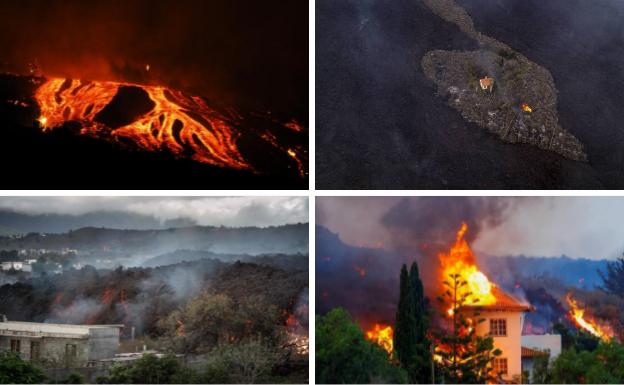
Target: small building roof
column 37, row 329
column 530, row 352
column 486, row 82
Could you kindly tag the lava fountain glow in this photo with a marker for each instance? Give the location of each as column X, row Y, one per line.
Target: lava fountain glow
column 585, row 322
column 460, row 260
column 382, row 335
column 184, row 125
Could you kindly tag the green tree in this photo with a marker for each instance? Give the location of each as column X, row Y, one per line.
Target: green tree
column 411, row 345
column 245, row 362
column 14, row 370
column 605, row 365
column 465, row 356
column 343, row 355
column 613, row 278
column 541, row 372
column 150, row 369
column 73, row 378
column 210, row 320
column 578, row 341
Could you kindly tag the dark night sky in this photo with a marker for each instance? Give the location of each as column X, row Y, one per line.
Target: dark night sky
column 236, row 51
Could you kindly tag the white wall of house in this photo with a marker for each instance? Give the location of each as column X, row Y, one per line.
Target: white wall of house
column 509, row 344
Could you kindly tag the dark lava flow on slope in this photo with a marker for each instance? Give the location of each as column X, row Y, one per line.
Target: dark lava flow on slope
column 379, row 124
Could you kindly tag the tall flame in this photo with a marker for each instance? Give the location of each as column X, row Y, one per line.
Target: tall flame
column 382, row 335
column 460, row 260
column 604, row 332
column 178, row 123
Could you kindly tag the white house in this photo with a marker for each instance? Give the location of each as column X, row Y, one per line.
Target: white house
column 60, row 345
column 17, row 265
column 539, row 345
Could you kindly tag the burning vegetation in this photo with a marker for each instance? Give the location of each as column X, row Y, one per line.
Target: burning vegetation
column 382, row 335
column 587, row 323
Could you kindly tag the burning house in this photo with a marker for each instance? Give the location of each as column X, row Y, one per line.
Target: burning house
column 502, row 320
column 495, row 313
column 60, row 345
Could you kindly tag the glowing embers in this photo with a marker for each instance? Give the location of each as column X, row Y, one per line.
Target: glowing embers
column 183, row 125
column 460, row 261
column 526, row 108
column 382, row 335
column 586, row 322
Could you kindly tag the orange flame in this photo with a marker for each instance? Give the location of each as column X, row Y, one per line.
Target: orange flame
column 604, row 332
column 460, row 260
column 203, row 130
column 382, row 335
column 180, row 331
column 526, row 108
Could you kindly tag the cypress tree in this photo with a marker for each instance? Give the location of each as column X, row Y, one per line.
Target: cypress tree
column 422, row 355
column 405, row 323
column 411, row 346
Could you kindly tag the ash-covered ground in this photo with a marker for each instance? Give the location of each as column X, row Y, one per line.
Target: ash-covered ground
column 380, row 123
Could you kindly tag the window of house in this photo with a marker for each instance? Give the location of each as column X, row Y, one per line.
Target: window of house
column 70, row 351
column 498, row 327
column 500, row 365
column 35, row 348
column 16, row 346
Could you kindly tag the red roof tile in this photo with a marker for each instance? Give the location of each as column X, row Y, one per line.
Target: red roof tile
column 530, row 352
column 504, row 302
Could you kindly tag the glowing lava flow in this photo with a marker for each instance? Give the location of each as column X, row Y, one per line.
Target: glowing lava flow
column 177, row 123
column 577, row 313
column 461, row 261
column 382, row 335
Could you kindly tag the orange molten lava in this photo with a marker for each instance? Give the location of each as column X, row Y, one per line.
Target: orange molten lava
column 577, row 313
column 382, row 335
column 178, row 123
column 461, row 261
column 526, row 108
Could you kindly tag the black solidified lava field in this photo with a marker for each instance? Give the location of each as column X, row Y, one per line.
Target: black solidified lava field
column 380, row 125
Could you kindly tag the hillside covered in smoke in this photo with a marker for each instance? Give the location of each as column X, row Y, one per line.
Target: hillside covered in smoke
column 140, row 297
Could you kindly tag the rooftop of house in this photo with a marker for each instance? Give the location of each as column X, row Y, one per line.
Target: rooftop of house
column 530, row 352
column 504, row 302
column 36, row 329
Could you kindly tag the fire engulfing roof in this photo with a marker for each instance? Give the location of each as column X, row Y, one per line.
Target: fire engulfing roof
column 504, row 302
column 530, row 352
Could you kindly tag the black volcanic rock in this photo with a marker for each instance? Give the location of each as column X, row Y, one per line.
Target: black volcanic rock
column 127, row 105
column 379, row 124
